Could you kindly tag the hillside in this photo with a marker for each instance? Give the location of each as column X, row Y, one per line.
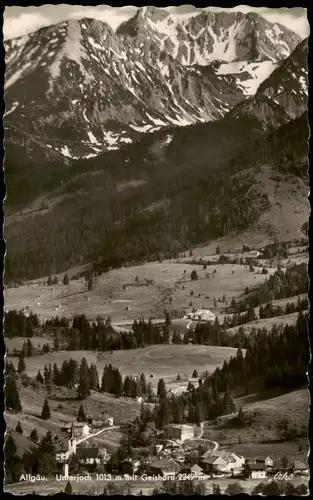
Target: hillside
column 266, row 421
column 167, row 209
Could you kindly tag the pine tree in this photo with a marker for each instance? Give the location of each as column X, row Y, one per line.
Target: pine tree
column 55, row 280
column 168, row 319
column 18, row 428
column 93, row 377
column 49, row 282
column 195, row 374
column 39, row 377
column 66, row 279
column 161, row 390
column 12, row 397
column 216, row 489
column 241, row 417
column 34, row 435
column 21, row 364
column 68, row 488
column 56, row 374
column 30, row 348
column 83, row 384
column 81, row 416
column 194, row 275
column 143, row 384
column 10, row 449
column 45, row 414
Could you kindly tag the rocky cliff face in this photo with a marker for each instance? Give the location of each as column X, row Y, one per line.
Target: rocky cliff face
column 78, row 88
column 283, row 96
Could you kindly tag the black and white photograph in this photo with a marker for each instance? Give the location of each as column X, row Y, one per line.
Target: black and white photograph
column 156, row 268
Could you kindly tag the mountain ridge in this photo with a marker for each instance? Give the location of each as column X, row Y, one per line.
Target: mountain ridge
column 106, row 89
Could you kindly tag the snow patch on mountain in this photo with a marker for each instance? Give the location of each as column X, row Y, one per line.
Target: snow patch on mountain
column 256, row 73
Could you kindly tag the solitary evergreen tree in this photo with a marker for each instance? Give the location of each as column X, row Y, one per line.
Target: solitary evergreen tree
column 68, row 488
column 30, row 348
column 161, row 390
column 21, row 364
column 39, row 377
column 49, row 282
column 195, row 374
column 34, row 435
column 194, row 275
column 45, row 414
column 18, row 428
column 10, row 448
column 12, row 397
column 81, row 416
column 241, row 417
column 66, row 279
column 55, row 280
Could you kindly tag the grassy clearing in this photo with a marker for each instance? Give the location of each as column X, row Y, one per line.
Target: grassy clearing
column 162, row 361
column 124, row 293
column 64, row 408
column 17, row 342
column 264, row 417
column 287, row 319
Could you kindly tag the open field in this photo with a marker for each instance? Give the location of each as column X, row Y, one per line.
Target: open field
column 17, row 342
column 124, row 294
column 264, row 416
column 161, row 361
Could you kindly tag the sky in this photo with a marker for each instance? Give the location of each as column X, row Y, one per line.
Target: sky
column 19, row 21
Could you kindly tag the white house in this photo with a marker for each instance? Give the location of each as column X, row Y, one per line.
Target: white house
column 180, row 432
column 201, row 315
column 257, row 471
column 222, row 461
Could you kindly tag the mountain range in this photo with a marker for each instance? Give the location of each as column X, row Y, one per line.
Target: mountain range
column 79, row 88
column 140, row 143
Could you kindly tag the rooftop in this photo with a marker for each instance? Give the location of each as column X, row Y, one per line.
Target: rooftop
column 257, row 467
column 87, row 452
column 298, row 464
column 164, row 463
column 75, row 424
column 181, row 426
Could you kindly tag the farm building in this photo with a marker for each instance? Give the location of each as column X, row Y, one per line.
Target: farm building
column 129, row 466
column 257, row 471
column 164, row 467
column 201, row 315
column 62, row 452
column 268, row 461
column 222, row 461
column 100, row 420
column 180, row 432
column 78, row 429
column 300, row 467
column 193, row 469
column 89, row 456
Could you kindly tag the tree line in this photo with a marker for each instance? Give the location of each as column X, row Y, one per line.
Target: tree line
column 280, row 285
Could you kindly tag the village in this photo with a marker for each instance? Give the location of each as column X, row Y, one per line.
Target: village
column 176, row 455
